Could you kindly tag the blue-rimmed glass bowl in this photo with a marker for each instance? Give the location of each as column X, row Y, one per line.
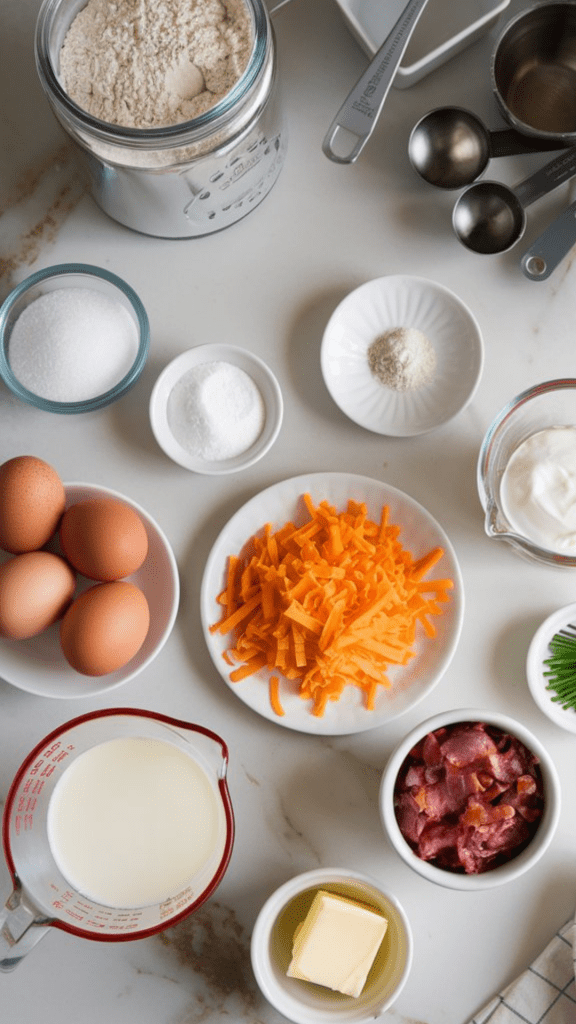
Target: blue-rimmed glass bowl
column 72, row 275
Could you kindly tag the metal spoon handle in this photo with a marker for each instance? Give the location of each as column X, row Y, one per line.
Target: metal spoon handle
column 509, row 142
column 547, row 178
column 360, row 111
column 550, row 248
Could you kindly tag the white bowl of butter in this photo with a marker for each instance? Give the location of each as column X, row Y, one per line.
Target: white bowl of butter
column 341, row 929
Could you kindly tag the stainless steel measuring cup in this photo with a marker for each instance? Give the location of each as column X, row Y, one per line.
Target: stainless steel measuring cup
column 550, row 248
column 534, row 71
column 357, row 117
column 43, row 896
column 489, row 217
column 450, row 147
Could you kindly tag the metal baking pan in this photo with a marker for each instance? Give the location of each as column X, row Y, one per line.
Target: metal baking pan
column 445, row 28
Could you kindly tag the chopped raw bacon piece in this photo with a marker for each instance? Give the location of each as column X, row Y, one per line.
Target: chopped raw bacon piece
column 526, row 784
column 436, row 839
column 409, row 817
column 477, row 814
column 508, row 765
column 416, row 775
column 465, row 746
column 431, row 750
column 469, row 797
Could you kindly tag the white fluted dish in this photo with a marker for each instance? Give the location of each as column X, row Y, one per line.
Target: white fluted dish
column 410, row 302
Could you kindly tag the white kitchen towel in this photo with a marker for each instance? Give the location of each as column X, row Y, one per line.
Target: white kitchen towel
column 545, row 993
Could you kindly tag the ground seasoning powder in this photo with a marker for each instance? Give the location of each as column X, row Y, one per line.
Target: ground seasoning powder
column 402, row 359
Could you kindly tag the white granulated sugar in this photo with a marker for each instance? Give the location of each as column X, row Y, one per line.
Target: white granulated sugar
column 403, row 359
column 216, row 411
column 153, row 63
column 72, row 344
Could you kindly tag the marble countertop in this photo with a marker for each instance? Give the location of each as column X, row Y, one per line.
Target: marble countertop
column 269, row 284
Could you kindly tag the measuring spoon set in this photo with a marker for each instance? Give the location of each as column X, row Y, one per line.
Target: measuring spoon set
column 450, row 148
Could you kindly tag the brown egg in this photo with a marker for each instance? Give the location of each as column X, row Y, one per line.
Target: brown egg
column 103, row 538
column 32, row 501
column 36, row 588
column 104, row 627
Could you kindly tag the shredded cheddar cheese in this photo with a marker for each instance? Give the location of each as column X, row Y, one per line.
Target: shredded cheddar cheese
column 332, row 603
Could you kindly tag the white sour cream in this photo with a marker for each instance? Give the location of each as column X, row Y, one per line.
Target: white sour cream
column 132, row 821
column 538, row 489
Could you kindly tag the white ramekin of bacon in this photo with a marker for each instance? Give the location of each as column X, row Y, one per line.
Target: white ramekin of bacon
column 470, row 799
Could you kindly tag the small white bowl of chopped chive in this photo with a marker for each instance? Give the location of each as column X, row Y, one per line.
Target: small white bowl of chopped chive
column 402, row 355
column 551, row 667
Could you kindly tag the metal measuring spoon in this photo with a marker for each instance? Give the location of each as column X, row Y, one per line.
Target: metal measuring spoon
column 450, row 147
column 359, row 113
column 550, row 248
column 489, row 217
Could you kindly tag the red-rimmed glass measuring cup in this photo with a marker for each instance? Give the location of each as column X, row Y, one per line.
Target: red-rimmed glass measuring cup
column 116, row 826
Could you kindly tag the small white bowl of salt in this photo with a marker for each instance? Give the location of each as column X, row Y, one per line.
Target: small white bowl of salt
column 402, row 355
column 216, row 409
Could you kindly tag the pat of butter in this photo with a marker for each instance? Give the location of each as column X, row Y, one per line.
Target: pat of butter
column 336, row 944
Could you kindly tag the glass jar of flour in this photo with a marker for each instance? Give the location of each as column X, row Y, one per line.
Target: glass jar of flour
column 173, row 105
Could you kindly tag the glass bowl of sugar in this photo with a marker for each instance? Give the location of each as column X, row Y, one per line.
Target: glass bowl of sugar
column 216, row 409
column 73, row 338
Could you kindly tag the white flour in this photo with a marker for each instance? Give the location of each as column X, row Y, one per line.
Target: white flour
column 153, row 63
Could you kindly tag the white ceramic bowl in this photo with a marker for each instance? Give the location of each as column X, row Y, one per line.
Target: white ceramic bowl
column 538, row 651
column 38, row 664
column 271, row 950
column 382, row 305
column 244, row 360
column 505, row 872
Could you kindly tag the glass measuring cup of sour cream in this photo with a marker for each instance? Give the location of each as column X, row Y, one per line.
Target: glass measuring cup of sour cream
column 526, row 474
column 117, row 825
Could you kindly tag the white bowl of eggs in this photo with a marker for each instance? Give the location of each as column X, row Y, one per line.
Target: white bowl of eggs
column 96, row 580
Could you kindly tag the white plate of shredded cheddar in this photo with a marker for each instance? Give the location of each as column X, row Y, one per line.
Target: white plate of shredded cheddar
column 423, row 381
column 332, row 603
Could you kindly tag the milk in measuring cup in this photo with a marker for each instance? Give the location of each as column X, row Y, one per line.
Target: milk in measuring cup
column 132, row 821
